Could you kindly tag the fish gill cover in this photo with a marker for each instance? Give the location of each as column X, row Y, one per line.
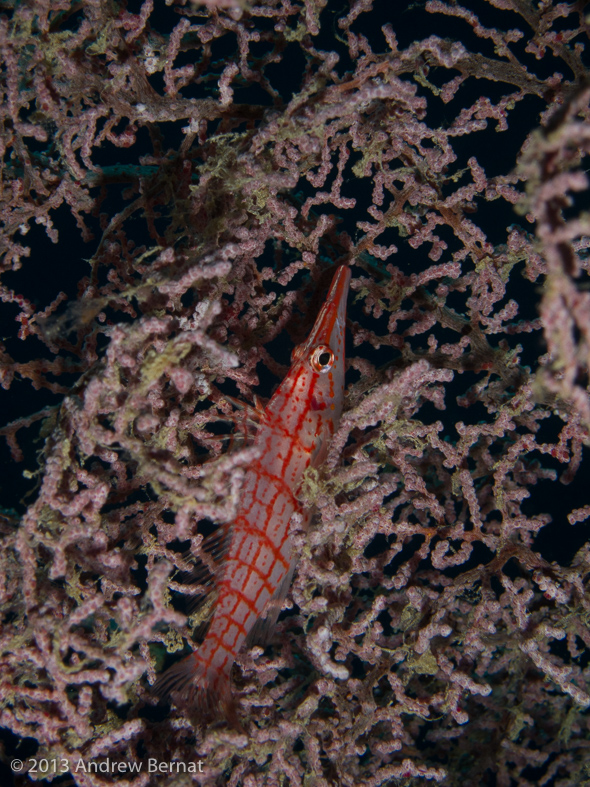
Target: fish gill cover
column 177, row 183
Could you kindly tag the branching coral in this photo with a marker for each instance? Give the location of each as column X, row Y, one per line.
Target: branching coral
column 222, row 157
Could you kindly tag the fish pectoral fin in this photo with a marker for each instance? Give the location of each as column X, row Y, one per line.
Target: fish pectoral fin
column 262, row 631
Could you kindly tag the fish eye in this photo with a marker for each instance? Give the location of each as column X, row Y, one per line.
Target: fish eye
column 322, row 359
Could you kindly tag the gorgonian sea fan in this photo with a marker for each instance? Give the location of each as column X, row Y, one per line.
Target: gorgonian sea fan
column 213, row 162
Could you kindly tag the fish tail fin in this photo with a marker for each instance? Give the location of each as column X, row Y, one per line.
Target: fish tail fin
column 192, row 684
column 179, row 683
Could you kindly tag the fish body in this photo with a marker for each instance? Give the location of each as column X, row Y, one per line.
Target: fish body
column 293, row 434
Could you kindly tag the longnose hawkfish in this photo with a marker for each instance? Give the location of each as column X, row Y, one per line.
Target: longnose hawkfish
column 293, row 434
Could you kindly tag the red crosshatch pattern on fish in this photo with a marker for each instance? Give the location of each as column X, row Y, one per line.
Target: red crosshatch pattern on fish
column 294, row 433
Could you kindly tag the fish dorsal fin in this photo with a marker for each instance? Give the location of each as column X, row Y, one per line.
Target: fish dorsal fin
column 246, row 418
column 201, row 629
column 206, row 567
column 253, row 413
